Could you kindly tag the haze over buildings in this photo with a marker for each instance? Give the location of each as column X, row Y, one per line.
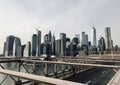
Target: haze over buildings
column 22, row 17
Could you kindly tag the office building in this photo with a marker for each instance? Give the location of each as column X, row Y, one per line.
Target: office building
column 4, row 48
column 46, row 49
column 27, row 50
column 83, row 38
column 46, row 38
column 49, row 36
column 67, row 52
column 74, row 46
column 9, row 45
column 58, row 47
column 86, row 39
column 53, row 45
column 93, row 36
column 19, row 51
column 38, row 43
column 16, row 45
column 34, row 45
column 78, row 36
column 101, row 44
column 22, row 49
column 75, row 40
column 63, row 43
column 108, row 39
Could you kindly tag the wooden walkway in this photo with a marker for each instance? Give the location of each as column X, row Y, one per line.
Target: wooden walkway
column 71, row 62
column 115, row 80
column 38, row 79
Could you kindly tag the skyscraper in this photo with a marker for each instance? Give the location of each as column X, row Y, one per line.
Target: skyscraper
column 34, row 45
column 83, row 38
column 27, row 50
column 58, row 47
column 108, row 39
column 38, row 43
column 67, row 53
column 63, row 43
column 4, row 49
column 19, row 51
column 46, row 48
column 22, row 49
column 46, row 38
column 75, row 40
column 101, row 44
column 53, row 45
column 86, row 37
column 9, row 45
column 16, row 45
column 49, row 36
column 74, row 46
column 94, row 40
column 78, row 36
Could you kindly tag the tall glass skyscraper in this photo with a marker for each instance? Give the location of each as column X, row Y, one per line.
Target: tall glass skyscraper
column 83, row 38
column 27, row 49
column 38, row 43
column 94, row 40
column 16, row 47
column 101, row 44
column 9, row 46
column 49, row 36
column 58, row 47
column 86, row 41
column 78, row 36
column 53, row 45
column 108, row 39
column 34, row 44
column 63, row 43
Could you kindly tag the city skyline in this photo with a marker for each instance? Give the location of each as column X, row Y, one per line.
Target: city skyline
column 64, row 46
column 21, row 18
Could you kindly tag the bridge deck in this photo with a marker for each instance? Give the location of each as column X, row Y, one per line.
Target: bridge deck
column 38, row 79
column 115, row 80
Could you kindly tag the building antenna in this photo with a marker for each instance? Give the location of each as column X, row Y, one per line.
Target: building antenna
column 37, row 29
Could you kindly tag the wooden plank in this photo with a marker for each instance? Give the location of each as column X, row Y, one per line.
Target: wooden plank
column 92, row 60
column 9, row 60
column 37, row 78
column 75, row 64
column 115, row 80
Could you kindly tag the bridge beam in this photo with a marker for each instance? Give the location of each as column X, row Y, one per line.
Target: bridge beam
column 74, row 64
column 19, row 82
column 38, row 79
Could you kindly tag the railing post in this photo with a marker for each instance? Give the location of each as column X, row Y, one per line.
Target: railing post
column 18, row 82
column 63, row 71
column 34, row 68
column 34, row 72
column 112, row 55
column 55, row 70
column 46, row 69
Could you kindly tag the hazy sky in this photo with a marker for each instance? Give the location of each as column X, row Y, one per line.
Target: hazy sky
column 22, row 17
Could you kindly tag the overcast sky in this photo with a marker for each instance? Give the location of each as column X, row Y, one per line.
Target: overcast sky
column 22, row 17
